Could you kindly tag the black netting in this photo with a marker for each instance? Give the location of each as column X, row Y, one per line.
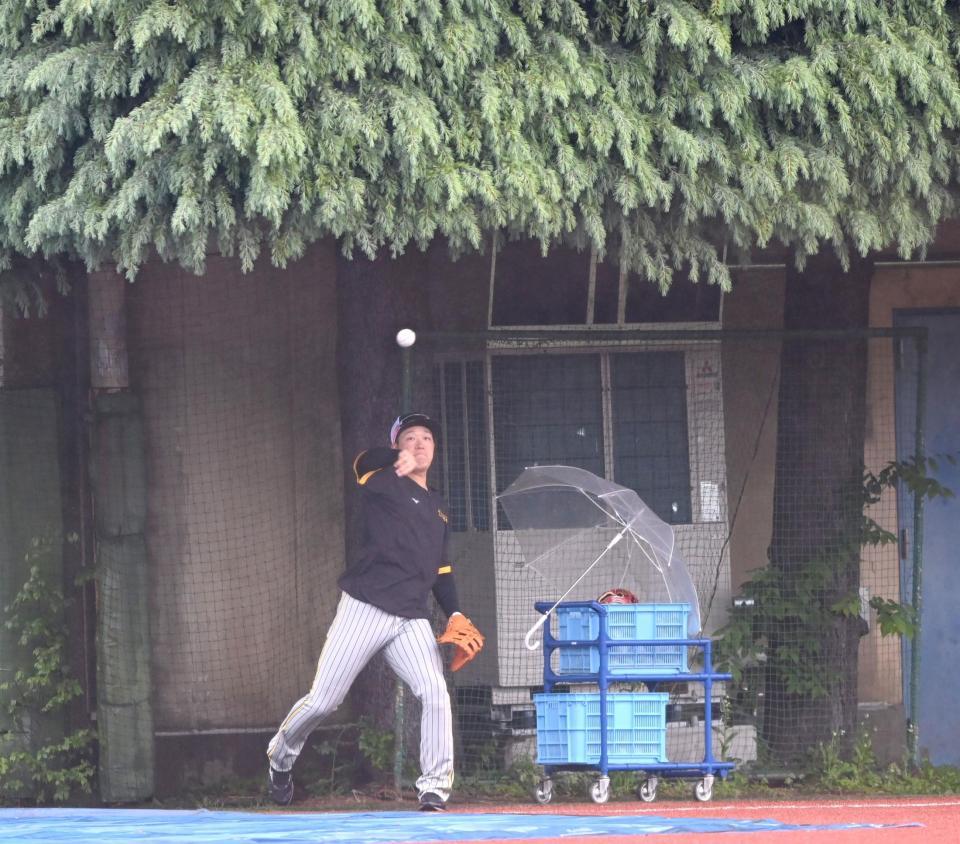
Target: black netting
column 753, row 447
column 204, row 504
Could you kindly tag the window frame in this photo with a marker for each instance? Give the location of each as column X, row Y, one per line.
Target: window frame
column 589, row 320
column 695, row 352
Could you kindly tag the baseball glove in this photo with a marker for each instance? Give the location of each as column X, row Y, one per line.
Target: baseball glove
column 467, row 640
column 618, row 596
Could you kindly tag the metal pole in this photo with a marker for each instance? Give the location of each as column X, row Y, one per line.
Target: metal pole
column 119, row 489
column 399, row 719
column 916, row 599
column 406, row 399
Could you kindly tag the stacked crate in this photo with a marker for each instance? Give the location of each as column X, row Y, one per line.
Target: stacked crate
column 569, row 726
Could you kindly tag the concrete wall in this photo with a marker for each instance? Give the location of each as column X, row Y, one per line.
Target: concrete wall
column 750, row 401
column 238, row 378
column 30, row 535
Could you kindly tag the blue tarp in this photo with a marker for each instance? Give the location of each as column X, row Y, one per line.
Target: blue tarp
column 106, row 826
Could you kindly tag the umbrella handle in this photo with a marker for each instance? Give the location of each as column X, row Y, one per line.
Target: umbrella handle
column 532, row 646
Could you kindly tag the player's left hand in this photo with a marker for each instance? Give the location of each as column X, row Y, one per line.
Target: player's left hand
column 468, row 641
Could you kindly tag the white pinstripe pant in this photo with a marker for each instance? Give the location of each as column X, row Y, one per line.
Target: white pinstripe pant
column 358, row 632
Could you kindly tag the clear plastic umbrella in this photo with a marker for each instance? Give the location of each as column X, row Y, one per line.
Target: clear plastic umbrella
column 589, row 534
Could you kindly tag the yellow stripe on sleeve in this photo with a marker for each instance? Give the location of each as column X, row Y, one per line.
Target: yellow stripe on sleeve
column 362, row 479
column 367, row 477
column 445, row 570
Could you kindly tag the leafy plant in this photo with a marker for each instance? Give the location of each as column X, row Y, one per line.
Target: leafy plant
column 726, row 732
column 795, row 611
column 520, row 779
column 779, row 627
column 327, row 765
column 377, row 745
column 912, row 473
column 837, row 773
column 860, row 771
column 739, row 783
column 61, row 765
column 895, row 619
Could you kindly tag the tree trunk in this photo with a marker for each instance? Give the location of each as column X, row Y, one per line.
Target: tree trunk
column 375, row 299
column 811, row 688
column 425, row 292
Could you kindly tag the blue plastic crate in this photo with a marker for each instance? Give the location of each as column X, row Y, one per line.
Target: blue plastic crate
column 625, row 621
column 568, row 728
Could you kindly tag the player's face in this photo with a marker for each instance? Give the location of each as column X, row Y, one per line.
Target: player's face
column 419, row 442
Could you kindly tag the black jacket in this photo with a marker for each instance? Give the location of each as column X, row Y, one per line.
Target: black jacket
column 404, row 552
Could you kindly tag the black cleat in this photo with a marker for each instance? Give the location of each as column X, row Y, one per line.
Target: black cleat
column 281, row 786
column 431, row 802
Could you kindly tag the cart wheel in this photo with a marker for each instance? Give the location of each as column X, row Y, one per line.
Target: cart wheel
column 648, row 790
column 703, row 790
column 600, row 790
column 544, row 792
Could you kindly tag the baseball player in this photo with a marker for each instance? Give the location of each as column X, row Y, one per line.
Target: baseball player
column 384, row 608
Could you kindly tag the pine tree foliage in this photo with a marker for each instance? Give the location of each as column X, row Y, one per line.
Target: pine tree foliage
column 664, row 130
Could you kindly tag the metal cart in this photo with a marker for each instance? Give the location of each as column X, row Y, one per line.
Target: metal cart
column 705, row 771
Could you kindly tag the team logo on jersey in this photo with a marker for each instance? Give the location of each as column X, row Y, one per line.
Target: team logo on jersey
column 414, row 500
column 443, row 516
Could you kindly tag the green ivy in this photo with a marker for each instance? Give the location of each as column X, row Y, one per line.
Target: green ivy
column 894, row 618
column 63, row 766
column 376, row 744
column 794, row 610
column 912, row 473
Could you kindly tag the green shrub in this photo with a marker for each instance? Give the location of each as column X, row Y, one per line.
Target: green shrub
column 40, row 694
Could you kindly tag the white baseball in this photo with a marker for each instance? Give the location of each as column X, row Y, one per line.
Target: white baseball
column 406, row 337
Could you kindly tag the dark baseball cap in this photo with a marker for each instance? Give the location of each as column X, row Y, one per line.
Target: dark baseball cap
column 411, row 420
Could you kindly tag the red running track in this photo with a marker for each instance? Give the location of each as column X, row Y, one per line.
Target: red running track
column 939, row 816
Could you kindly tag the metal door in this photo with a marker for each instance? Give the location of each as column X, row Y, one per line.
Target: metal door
column 938, row 677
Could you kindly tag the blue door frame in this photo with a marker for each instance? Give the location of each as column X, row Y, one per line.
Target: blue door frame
column 938, row 686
